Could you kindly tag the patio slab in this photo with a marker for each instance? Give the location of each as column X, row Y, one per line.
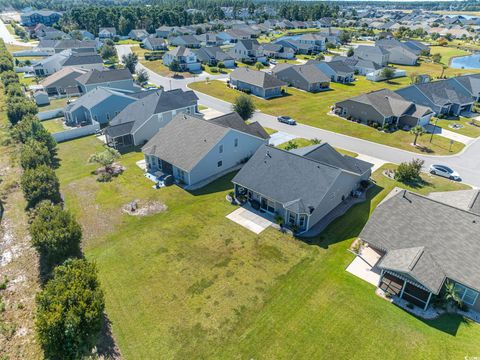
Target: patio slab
column 280, row 137
column 249, row 220
column 364, row 266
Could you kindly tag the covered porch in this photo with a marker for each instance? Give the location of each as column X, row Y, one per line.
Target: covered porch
column 398, row 285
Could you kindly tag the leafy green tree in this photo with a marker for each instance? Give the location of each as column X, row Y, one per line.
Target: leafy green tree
column 70, row 311
column 6, row 63
column 244, row 106
column 409, row 172
column 55, row 234
column 33, row 154
column 350, row 52
column 142, row 76
column 14, row 89
column 387, row 73
column 130, row 61
column 105, row 158
column 40, row 184
column 18, row 107
column 174, row 66
column 417, row 131
column 108, row 52
column 259, row 65
column 436, row 58
column 9, row 77
column 451, row 296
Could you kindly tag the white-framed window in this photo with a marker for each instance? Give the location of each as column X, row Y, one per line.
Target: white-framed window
column 235, row 142
column 467, row 295
column 220, row 149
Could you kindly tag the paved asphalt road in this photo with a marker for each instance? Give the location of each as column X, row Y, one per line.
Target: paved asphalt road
column 466, row 163
column 8, row 38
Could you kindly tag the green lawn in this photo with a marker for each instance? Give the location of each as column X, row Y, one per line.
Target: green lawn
column 53, row 125
column 189, row 283
column 312, row 109
column 468, row 129
column 54, row 104
column 301, row 142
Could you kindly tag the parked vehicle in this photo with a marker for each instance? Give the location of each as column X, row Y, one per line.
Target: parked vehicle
column 286, row 120
column 444, row 171
column 273, row 62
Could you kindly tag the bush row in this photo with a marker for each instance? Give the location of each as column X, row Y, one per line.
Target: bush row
column 70, row 305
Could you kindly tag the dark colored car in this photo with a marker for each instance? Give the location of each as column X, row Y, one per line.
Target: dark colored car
column 286, row 120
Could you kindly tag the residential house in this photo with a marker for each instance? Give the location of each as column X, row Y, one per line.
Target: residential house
column 209, row 39
column 63, row 82
column 188, row 41
column 376, row 54
column 305, row 77
column 301, row 186
column 65, row 59
column 138, row 34
column 384, row 107
column 196, row 151
column 418, row 47
column 398, row 52
column 155, row 43
column 360, row 66
column 99, row 105
column 258, row 83
column 424, row 245
column 46, row 17
column 248, row 51
column 443, row 97
column 57, row 46
column 107, row 33
column 277, row 51
column 313, row 39
column 140, row 120
column 337, row 70
column 236, row 35
column 166, row 31
column 120, row 79
column 86, row 35
column 185, row 58
column 471, row 83
column 214, row 55
column 297, row 47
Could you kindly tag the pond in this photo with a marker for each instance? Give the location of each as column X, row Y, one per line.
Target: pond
column 289, row 37
column 466, row 62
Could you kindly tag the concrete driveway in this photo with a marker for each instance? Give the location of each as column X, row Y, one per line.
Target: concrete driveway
column 280, row 138
column 249, row 220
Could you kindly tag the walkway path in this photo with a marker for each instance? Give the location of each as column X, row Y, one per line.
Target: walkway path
column 466, row 163
column 449, row 134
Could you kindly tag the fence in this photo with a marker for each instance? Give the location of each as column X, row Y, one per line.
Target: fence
column 76, row 132
column 50, row 114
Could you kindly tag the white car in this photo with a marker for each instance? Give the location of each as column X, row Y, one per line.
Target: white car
column 445, row 171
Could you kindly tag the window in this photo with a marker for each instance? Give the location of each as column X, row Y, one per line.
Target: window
column 292, row 218
column 220, row 149
column 235, row 142
column 219, row 164
column 467, row 295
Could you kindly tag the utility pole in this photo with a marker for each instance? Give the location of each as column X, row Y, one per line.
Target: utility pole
column 434, row 128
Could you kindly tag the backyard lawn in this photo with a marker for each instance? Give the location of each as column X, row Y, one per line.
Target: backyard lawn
column 312, row 109
column 54, row 104
column 189, row 283
column 54, row 125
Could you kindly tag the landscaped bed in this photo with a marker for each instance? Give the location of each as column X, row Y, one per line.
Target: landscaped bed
column 312, row 109
column 189, row 283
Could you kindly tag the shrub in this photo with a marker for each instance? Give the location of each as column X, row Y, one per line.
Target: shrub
column 33, row 154
column 31, row 128
column 40, row 184
column 70, row 310
column 55, row 234
column 291, row 145
column 9, row 77
column 214, row 70
column 409, row 172
column 14, row 89
column 221, row 65
column 18, row 107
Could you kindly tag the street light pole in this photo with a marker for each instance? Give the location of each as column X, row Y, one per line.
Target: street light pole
column 433, row 131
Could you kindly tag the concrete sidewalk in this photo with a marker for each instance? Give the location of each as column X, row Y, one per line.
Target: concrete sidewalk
column 449, row 134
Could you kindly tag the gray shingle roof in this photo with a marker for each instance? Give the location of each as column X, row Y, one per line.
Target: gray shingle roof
column 185, row 140
column 448, row 235
column 290, row 179
column 78, row 60
column 155, row 102
column 443, row 92
column 257, row 78
column 326, row 154
column 104, row 76
column 308, row 72
column 234, row 121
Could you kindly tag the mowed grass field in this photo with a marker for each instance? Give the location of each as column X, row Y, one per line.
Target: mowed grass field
column 313, row 109
column 187, row 283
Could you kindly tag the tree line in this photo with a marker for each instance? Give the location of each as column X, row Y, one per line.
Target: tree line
column 70, row 304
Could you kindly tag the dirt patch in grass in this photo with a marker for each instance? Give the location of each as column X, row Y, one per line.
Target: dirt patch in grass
column 139, row 208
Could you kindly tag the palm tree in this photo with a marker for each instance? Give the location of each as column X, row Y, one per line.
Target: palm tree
column 451, row 296
column 417, row 131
